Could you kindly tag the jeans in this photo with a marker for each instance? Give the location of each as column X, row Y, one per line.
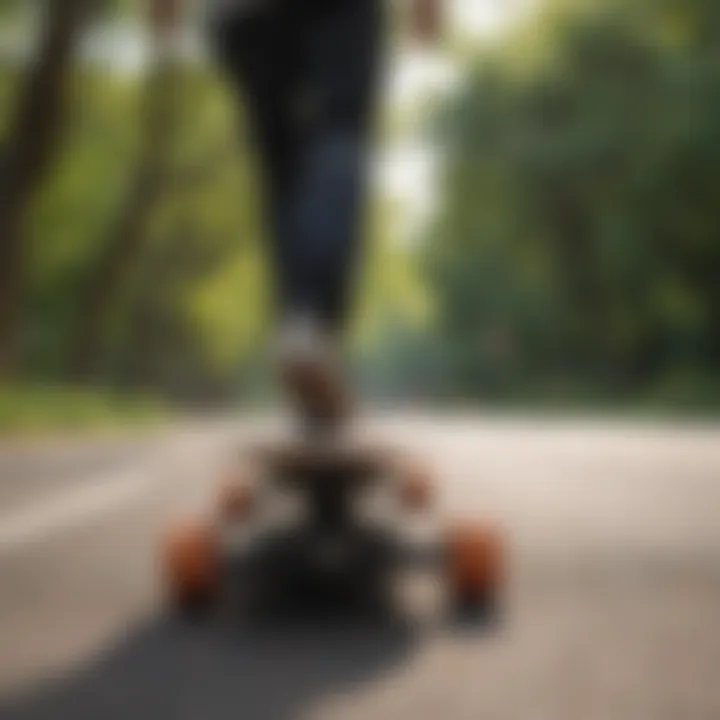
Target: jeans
column 306, row 72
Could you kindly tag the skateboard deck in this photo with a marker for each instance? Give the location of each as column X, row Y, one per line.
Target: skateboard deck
column 339, row 458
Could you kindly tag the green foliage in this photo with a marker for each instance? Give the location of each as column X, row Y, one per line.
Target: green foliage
column 78, row 201
column 390, row 292
column 38, row 408
column 575, row 256
column 191, row 310
column 578, row 239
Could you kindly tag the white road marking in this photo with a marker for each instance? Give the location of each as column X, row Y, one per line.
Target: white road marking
column 70, row 509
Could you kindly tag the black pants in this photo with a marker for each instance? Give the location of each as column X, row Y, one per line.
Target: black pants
column 307, row 72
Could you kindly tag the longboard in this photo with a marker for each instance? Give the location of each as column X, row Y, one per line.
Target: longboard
column 327, row 473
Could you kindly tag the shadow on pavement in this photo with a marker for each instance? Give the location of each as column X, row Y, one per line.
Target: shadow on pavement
column 167, row 669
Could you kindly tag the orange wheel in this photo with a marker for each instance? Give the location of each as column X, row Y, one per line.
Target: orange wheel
column 474, row 565
column 191, row 565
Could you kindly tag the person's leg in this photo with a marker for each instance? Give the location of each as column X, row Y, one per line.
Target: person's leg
column 340, row 47
column 307, row 73
column 261, row 53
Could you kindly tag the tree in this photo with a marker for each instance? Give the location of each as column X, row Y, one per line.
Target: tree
column 149, row 179
column 578, row 239
column 29, row 152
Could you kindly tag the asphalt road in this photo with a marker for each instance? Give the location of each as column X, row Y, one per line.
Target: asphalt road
column 612, row 610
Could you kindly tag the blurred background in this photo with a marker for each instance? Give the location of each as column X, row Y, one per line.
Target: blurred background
column 543, row 238
column 543, row 228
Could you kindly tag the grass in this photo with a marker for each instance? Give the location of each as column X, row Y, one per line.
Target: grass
column 39, row 409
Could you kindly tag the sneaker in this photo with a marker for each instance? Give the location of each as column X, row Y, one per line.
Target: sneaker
column 311, row 371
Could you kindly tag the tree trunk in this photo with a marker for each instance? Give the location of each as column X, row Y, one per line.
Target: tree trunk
column 31, row 146
column 124, row 243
